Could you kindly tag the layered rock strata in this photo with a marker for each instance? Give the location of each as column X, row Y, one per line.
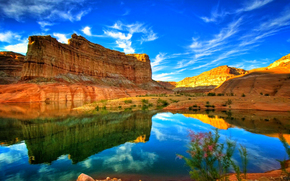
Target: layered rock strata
column 10, row 67
column 213, row 77
column 47, row 58
column 78, row 71
column 273, row 80
column 207, row 81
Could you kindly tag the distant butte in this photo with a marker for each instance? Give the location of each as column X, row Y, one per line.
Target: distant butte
column 273, row 80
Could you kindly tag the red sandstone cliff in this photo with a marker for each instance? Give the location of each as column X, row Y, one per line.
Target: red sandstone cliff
column 47, row 58
column 273, row 80
column 79, row 71
column 208, row 80
column 10, row 67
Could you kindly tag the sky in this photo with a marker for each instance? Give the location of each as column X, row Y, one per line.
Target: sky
column 183, row 38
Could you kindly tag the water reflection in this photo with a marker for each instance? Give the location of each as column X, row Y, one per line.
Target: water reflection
column 37, row 145
column 79, row 137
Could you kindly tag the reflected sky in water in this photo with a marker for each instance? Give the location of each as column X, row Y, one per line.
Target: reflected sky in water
column 164, row 134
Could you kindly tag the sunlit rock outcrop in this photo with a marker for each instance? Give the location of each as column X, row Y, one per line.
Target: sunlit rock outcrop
column 273, row 80
column 210, row 79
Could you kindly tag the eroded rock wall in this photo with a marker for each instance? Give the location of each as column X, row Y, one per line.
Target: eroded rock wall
column 47, row 58
column 10, row 67
column 214, row 77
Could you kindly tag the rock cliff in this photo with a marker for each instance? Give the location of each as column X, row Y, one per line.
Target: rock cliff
column 273, row 80
column 77, row 71
column 209, row 80
column 47, row 58
column 10, row 67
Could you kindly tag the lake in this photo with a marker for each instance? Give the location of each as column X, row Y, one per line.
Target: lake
column 52, row 142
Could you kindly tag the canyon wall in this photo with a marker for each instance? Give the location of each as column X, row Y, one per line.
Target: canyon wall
column 47, row 58
column 273, row 80
column 213, row 77
column 10, row 67
column 77, row 71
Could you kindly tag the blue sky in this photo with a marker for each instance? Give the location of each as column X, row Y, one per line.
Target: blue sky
column 182, row 38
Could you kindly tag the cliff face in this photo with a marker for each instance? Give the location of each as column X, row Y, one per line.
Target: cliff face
column 10, row 67
column 77, row 71
column 273, row 80
column 47, row 58
column 211, row 78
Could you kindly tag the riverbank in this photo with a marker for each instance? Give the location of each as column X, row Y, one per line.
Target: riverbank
column 192, row 102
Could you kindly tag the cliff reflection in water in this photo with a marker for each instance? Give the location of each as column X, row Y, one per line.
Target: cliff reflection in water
column 79, row 137
column 266, row 123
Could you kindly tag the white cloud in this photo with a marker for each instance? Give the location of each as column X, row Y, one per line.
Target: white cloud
column 202, row 49
column 61, row 37
column 123, row 160
column 71, row 10
column 118, row 25
column 19, row 47
column 9, row 36
column 167, row 76
column 118, row 35
column 250, row 5
column 87, row 30
column 123, row 34
column 44, row 24
column 150, row 36
column 126, row 45
column 254, row 4
column 267, row 28
column 155, row 64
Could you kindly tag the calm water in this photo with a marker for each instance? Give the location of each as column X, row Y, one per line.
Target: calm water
column 131, row 145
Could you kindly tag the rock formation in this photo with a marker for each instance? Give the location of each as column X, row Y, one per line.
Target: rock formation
column 78, row 71
column 47, row 58
column 273, row 80
column 209, row 80
column 169, row 85
column 10, row 67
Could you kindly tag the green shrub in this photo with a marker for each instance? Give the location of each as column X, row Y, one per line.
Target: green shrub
column 97, row 108
column 120, row 107
column 174, row 101
column 261, row 93
column 162, row 103
column 211, row 159
column 145, row 101
column 243, row 95
column 211, row 94
column 128, row 101
column 229, row 102
column 220, row 94
column 266, row 94
column 128, row 109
